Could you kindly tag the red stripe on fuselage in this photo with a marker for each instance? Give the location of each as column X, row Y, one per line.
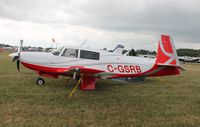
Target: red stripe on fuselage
column 54, row 70
column 136, row 75
column 44, row 69
column 154, row 71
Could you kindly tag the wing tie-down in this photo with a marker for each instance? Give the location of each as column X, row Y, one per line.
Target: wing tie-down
column 72, row 92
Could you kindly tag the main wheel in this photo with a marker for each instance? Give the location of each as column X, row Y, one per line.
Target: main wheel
column 40, row 81
column 78, row 77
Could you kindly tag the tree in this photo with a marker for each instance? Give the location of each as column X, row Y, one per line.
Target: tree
column 132, row 52
column 124, row 51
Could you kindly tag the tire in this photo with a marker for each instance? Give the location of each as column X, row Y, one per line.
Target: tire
column 40, row 81
column 78, row 77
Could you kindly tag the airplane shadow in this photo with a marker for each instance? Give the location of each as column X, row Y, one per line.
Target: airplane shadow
column 101, row 85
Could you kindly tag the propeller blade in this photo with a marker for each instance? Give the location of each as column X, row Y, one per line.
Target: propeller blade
column 15, row 58
column 18, row 64
column 20, row 46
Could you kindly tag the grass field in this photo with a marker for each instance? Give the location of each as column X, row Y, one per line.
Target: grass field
column 169, row 102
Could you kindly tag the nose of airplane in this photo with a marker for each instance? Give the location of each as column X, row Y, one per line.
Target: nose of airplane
column 13, row 54
column 15, row 57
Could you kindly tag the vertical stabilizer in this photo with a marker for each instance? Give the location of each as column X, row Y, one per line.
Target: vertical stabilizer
column 166, row 52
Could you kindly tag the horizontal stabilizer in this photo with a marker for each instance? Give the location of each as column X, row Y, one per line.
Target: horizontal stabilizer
column 178, row 66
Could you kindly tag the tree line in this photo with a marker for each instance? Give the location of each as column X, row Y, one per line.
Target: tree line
column 188, row 52
column 132, row 52
column 4, row 45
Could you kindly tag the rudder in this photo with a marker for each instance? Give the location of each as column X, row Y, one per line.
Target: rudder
column 166, row 52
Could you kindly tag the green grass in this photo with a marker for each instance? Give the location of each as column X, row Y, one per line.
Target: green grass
column 169, row 102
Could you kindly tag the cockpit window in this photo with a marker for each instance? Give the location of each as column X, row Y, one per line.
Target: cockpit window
column 56, row 52
column 89, row 55
column 70, row 53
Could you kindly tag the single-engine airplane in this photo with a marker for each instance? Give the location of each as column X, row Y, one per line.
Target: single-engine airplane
column 89, row 65
column 189, row 59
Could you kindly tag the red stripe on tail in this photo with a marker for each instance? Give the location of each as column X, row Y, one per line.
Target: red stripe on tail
column 166, row 52
column 167, row 59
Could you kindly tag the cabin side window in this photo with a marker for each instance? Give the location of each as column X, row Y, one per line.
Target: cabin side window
column 89, row 55
column 70, row 53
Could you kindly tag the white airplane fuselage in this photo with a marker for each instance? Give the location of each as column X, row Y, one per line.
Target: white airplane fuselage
column 108, row 64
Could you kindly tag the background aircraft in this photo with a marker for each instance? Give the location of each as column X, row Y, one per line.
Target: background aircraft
column 89, row 64
column 189, row 59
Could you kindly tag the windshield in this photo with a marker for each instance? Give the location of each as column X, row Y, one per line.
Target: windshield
column 57, row 51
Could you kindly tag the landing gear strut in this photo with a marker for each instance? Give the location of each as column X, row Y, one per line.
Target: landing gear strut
column 40, row 81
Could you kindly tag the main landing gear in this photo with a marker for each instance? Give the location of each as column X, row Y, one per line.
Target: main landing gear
column 40, row 81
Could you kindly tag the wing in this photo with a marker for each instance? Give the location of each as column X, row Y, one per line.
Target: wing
column 81, row 70
column 88, row 76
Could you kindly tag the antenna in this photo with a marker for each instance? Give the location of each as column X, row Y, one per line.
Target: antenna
column 83, row 43
column 20, row 46
column 54, row 42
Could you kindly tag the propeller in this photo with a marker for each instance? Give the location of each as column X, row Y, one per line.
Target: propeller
column 18, row 64
column 17, row 57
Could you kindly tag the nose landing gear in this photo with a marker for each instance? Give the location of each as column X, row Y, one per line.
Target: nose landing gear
column 40, row 81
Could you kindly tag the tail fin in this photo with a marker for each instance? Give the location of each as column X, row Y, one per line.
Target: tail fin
column 166, row 52
column 167, row 62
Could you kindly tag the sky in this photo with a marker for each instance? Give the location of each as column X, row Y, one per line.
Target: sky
column 136, row 24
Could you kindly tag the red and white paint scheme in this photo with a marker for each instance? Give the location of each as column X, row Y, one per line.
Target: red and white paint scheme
column 90, row 65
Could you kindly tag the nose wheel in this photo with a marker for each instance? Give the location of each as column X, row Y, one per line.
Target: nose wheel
column 40, row 81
